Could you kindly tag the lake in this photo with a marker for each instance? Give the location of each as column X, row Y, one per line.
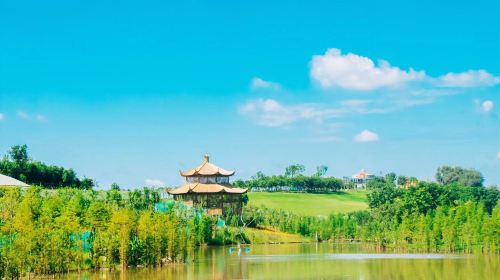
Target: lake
column 314, row 261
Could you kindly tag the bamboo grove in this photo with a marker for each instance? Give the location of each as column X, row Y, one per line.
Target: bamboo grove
column 48, row 232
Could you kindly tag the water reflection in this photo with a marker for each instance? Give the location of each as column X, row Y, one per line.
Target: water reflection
column 311, row 261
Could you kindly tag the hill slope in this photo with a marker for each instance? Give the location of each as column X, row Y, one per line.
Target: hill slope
column 311, row 204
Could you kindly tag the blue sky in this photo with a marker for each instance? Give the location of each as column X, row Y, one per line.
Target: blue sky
column 134, row 91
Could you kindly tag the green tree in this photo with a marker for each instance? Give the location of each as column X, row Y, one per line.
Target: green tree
column 294, row 170
column 19, row 154
column 385, row 194
column 321, row 170
column 115, row 186
column 402, row 180
column 121, row 226
column 390, row 177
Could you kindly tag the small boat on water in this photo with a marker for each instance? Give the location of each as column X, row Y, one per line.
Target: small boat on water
column 239, row 249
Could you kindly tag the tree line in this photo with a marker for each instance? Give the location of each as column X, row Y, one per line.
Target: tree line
column 293, row 180
column 17, row 164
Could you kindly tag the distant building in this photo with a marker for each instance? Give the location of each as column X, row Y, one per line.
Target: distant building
column 411, row 182
column 360, row 179
column 6, row 181
column 207, row 186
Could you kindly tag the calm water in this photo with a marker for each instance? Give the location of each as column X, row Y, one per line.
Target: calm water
column 311, row 261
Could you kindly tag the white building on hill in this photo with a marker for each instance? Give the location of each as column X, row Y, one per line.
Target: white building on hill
column 360, row 179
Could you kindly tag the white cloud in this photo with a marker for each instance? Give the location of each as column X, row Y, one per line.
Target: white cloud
column 351, row 71
column 269, row 112
column 470, row 78
column 154, row 183
column 366, row 136
column 487, row 106
column 2, row 117
column 498, row 154
column 23, row 115
column 258, row 83
column 354, row 72
column 41, row 118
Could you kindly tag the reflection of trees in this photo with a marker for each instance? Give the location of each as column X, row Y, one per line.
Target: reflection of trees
column 305, row 261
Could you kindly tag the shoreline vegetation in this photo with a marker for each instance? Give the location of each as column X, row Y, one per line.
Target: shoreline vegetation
column 48, row 230
column 55, row 232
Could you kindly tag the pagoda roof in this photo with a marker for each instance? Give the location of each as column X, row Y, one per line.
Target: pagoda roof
column 11, row 182
column 207, row 169
column 206, row 188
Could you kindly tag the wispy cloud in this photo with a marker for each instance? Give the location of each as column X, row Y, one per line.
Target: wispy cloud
column 258, row 83
column 366, row 136
column 41, row 118
column 23, row 115
column 2, row 117
column 270, row 112
column 358, row 73
column 154, row 183
column 498, row 154
column 470, row 78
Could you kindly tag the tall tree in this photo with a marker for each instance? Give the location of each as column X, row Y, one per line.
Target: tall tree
column 294, row 170
column 19, row 153
column 467, row 177
column 321, row 170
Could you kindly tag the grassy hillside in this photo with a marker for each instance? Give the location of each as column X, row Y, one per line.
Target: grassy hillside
column 311, row 204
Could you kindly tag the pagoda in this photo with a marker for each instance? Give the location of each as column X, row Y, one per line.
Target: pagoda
column 207, row 186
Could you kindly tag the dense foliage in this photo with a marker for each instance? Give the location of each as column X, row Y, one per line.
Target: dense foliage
column 17, row 164
column 47, row 232
column 466, row 177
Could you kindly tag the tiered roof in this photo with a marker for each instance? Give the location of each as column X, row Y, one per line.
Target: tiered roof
column 207, row 169
column 206, row 188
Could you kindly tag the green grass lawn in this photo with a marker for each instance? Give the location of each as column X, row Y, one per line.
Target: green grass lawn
column 311, row 204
